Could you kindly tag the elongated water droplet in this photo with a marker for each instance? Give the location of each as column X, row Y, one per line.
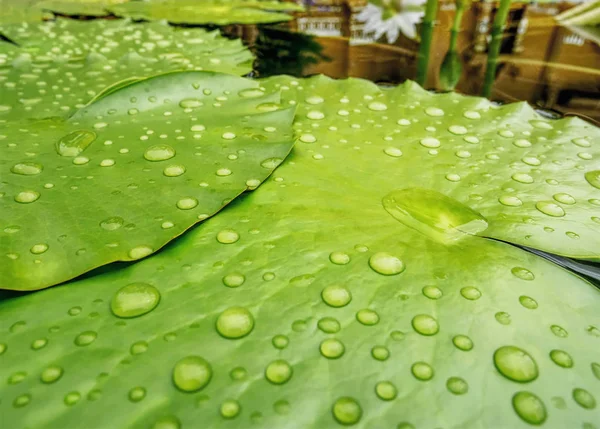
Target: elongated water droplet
column 522, row 273
column 234, row 280
column 471, row 293
column 528, row 302
column 584, row 398
column 510, row 201
column 457, row 386
column 27, row 168
column 367, row 317
column 522, row 178
column 559, row 331
column 38, row 249
column 433, row 214
column 75, row 143
column 134, row 300
column 529, row 407
column 227, row 236
column 26, row 197
column 329, row 325
column 515, row 364
column 549, row 208
column 187, row 203
column 140, row 252
column 188, row 103
column 462, row 342
column 432, row 292
column 159, row 152
column 22, row 400
column 422, row 371
column 593, row 178
column 386, row 390
column 174, row 170
column 235, row 322
column 339, row 258
column 86, row 338
column 112, row 223
column 51, row 374
column 561, row 358
column 425, row 324
column 347, row 411
column 192, row 373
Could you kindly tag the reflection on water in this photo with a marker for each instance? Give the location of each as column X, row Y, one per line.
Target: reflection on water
column 548, row 65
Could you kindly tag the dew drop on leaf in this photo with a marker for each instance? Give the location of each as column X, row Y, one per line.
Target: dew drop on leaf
column 332, row 348
column 278, row 372
column 135, row 299
column 191, row 373
column 529, row 407
column 347, row 411
column 515, row 364
column 235, row 322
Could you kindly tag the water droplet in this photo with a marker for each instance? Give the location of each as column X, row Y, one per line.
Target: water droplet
column 339, row 258
column 386, row 264
column 26, row 197
column 336, row 296
column 271, row 163
column 425, row 324
column 192, row 373
column 422, row 371
column 72, row 398
column 528, row 302
column 332, row 348
column 561, row 358
column 112, row 223
column 22, row 400
column 51, row 374
column 559, row 331
column 17, row 377
column 238, row 373
column 134, row 300
column 386, row 390
column 86, row 338
column 593, row 178
column 529, row 407
column 595, row 369
column 522, row 178
column 549, row 208
column 189, row 103
column 540, row 124
column 280, row 341
column 227, row 236
column 137, row 394
column 457, row 386
column 515, row 364
column 530, row 160
column 471, row 293
column 140, row 252
column 159, row 152
column 457, row 129
column 315, row 115
column 228, row 136
column 394, row 152
column 430, row 142
column 174, row 170
column 347, row 411
column 138, row 348
column 38, row 249
column 584, row 398
column 187, row 203
column 510, row 201
column 433, row 214
column 462, row 342
column 40, row 343
column 434, row 111
column 3, row 348
column 234, row 280
column 367, row 317
column 522, row 273
column 432, row 292
column 27, row 168
column 230, row 409
column 235, row 322
column 380, row 353
column 329, row 325
column 167, row 422
column 581, row 142
column 278, row 372
column 75, row 143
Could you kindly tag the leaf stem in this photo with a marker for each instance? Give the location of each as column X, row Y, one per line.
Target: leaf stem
column 426, row 37
column 494, row 47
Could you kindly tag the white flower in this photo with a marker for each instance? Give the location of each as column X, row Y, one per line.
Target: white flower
column 404, row 21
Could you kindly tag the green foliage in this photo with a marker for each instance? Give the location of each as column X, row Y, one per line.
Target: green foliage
column 357, row 286
column 78, row 7
column 217, row 12
column 60, row 65
column 130, row 171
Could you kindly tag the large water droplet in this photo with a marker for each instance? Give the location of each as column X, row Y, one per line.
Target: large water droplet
column 561, row 358
column 234, row 280
column 549, row 208
column 230, row 409
column 22, row 400
column 380, row 353
column 510, row 201
column 280, row 341
column 559, row 331
column 522, row 273
column 27, row 168
column 457, row 386
column 522, row 178
column 227, row 236
column 593, row 178
column 422, row 371
column 75, row 143
column 432, row 292
column 329, row 325
column 386, row 264
column 38, row 249
column 187, row 203
column 584, row 398
column 26, row 197
column 515, row 364
column 339, row 258
column 433, row 214
column 336, row 295
column 191, row 373
column 278, row 372
column 347, row 411
column 51, row 374
column 112, row 223
column 134, row 300
column 235, row 322
column 332, row 348
column 86, row 338
column 425, row 324
column 386, row 390
column 528, row 302
column 471, row 293
column 462, row 342
column 159, row 152
column 529, row 407
column 367, row 317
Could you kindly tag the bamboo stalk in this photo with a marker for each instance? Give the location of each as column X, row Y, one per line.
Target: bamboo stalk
column 494, row 47
column 426, row 38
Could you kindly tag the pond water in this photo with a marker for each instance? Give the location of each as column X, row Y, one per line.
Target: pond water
column 550, row 66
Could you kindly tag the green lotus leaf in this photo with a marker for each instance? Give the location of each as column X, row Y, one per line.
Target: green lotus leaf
column 20, row 11
column 218, row 12
column 315, row 302
column 61, row 65
column 79, row 7
column 129, row 172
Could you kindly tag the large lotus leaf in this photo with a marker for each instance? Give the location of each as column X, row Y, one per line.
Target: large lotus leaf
column 79, row 7
column 306, row 304
column 218, row 12
column 129, row 172
column 62, row 65
column 20, row 11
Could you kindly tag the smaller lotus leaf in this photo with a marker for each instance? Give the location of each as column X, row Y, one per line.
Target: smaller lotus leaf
column 79, row 7
column 218, row 12
column 129, row 172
